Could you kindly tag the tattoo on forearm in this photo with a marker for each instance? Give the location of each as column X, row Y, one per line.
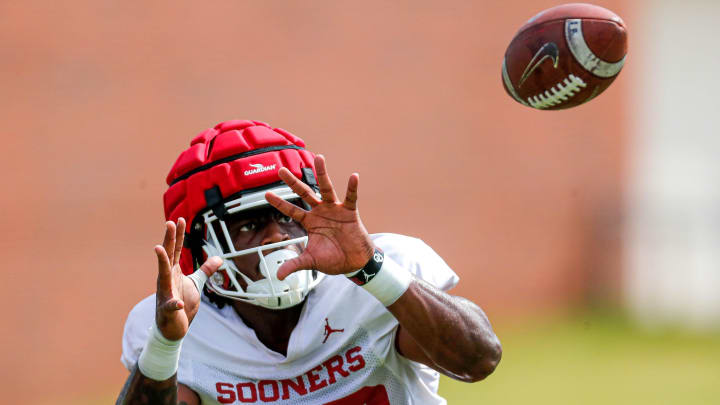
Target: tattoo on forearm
column 140, row 390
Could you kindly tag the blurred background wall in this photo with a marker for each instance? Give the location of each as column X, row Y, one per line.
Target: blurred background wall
column 528, row 207
column 673, row 229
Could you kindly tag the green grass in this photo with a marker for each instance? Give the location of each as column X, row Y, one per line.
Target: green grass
column 596, row 359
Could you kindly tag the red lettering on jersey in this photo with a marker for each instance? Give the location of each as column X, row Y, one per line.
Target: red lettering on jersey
column 334, row 365
column 263, row 394
column 298, row 386
column 313, row 378
column 225, row 389
column 269, row 390
column 241, row 392
column 376, row 395
column 359, row 360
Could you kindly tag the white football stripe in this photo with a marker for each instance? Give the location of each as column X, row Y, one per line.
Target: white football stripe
column 585, row 57
column 509, row 85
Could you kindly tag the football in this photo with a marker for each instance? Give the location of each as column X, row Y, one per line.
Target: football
column 564, row 56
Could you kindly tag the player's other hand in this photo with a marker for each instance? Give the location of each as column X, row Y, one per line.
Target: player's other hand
column 338, row 242
column 177, row 297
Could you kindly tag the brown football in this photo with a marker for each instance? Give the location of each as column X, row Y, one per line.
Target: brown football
column 564, row 56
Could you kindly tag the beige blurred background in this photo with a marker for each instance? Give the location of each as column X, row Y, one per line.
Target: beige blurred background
column 539, row 212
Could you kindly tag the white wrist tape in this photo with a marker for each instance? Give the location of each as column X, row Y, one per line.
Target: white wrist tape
column 199, row 278
column 389, row 283
column 159, row 359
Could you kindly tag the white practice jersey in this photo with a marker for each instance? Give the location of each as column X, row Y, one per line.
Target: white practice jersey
column 342, row 350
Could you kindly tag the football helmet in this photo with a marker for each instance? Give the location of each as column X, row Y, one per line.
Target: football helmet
column 225, row 172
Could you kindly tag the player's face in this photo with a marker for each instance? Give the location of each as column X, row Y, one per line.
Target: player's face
column 259, row 227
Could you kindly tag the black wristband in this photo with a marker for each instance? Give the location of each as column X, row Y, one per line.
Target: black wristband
column 370, row 270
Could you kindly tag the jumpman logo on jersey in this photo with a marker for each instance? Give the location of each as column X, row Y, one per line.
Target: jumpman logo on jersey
column 329, row 330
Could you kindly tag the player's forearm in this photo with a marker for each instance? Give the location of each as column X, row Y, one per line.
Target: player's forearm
column 141, row 390
column 451, row 331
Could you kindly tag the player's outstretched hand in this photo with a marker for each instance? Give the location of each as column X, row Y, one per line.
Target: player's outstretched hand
column 177, row 298
column 338, row 242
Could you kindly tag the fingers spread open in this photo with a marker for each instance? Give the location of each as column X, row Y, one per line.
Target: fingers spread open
column 300, row 188
column 179, row 238
column 287, row 208
column 327, row 192
column 302, row 262
column 352, row 192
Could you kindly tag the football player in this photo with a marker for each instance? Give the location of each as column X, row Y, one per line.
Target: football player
column 271, row 290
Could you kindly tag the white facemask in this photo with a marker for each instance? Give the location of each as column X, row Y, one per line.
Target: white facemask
column 268, row 292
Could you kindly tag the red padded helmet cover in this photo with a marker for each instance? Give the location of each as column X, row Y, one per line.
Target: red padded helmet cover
column 236, row 156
